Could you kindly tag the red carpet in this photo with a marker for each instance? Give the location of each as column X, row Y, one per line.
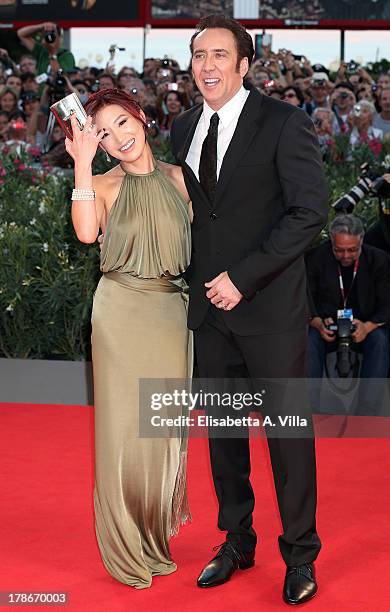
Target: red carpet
column 48, row 544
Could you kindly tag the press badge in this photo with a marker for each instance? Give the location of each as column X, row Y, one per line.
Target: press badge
column 345, row 313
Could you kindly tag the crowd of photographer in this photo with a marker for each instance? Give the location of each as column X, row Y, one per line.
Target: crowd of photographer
column 349, row 103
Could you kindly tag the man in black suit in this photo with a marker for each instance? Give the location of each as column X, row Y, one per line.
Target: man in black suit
column 343, row 273
column 253, row 169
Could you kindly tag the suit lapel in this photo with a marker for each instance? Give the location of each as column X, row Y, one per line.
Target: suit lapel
column 193, row 186
column 244, row 133
column 190, row 133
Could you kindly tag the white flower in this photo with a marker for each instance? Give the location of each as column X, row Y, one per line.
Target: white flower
column 10, row 308
column 386, row 161
column 42, row 207
column 26, row 282
column 45, row 247
column 12, row 224
column 33, row 221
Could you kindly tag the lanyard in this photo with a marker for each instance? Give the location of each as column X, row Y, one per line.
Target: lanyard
column 345, row 297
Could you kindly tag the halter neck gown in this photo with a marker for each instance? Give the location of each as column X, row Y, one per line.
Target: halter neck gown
column 139, row 330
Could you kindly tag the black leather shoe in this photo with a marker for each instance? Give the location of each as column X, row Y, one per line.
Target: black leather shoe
column 225, row 563
column 300, row 584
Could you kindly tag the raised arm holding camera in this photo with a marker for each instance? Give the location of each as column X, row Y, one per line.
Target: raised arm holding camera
column 48, row 53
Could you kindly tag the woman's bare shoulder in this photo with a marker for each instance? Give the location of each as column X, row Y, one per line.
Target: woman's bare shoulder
column 110, row 176
column 174, row 174
column 108, row 180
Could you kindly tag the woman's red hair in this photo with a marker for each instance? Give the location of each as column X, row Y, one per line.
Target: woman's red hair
column 104, row 97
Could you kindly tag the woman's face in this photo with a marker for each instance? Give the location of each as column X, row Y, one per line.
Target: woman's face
column 30, row 106
column 15, row 83
column 57, row 134
column 291, row 97
column 364, row 94
column 105, row 82
column 363, row 117
column 8, row 102
column 124, row 136
column 173, row 103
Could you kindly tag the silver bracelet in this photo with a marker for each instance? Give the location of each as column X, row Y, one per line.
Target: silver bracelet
column 83, row 194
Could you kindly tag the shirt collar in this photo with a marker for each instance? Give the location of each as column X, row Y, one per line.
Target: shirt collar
column 229, row 111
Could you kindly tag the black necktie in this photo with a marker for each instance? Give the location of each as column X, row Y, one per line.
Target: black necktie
column 208, row 159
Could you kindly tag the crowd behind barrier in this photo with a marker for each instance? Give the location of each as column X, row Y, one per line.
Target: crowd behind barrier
column 350, row 109
column 354, row 102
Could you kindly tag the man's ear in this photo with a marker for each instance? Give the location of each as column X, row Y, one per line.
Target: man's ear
column 244, row 66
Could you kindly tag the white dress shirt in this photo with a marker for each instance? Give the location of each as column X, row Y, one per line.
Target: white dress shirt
column 228, row 118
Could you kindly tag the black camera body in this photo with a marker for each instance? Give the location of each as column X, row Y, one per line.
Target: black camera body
column 352, row 67
column 51, row 35
column 344, row 329
column 57, row 85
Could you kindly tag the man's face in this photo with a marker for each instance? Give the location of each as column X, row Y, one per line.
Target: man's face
column 28, row 64
column 384, row 81
column 105, row 83
column 214, row 65
column 345, row 99
column 346, row 248
column 323, row 122
column 30, row 85
column 385, row 100
column 319, row 92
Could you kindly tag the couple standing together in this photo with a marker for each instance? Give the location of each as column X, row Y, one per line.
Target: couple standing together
column 250, row 189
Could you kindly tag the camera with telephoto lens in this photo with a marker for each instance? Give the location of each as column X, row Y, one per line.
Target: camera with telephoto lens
column 57, row 85
column 343, row 329
column 51, row 35
column 369, row 183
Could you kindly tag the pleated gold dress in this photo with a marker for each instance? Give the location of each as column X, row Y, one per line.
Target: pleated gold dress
column 139, row 330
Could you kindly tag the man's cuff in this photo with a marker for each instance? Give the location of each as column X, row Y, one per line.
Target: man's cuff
column 238, row 285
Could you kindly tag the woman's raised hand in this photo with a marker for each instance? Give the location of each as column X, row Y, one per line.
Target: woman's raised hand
column 85, row 142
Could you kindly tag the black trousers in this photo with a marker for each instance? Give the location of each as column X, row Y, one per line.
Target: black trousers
column 222, row 354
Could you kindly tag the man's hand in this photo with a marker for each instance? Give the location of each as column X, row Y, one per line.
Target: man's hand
column 361, row 331
column 320, row 325
column 222, row 292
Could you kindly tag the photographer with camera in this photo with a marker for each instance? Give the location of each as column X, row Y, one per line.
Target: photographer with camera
column 324, row 120
column 349, row 290
column 49, row 53
column 319, row 90
column 342, row 100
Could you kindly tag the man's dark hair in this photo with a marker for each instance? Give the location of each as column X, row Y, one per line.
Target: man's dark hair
column 344, row 85
column 244, row 43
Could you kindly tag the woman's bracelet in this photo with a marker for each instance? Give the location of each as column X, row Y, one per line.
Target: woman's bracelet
column 83, row 194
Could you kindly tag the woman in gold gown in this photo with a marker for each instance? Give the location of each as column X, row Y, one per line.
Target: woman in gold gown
column 139, row 331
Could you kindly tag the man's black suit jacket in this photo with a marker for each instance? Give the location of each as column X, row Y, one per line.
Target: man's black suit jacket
column 270, row 202
column 371, row 285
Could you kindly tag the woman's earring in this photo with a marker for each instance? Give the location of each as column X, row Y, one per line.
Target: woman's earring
column 108, row 158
